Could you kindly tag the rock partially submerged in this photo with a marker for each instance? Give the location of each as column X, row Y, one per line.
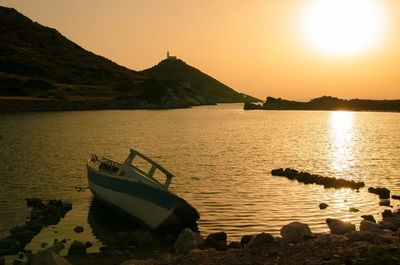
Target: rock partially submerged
column 295, row 232
column 384, row 193
column 323, row 206
column 339, row 227
column 260, row 239
column 42, row 215
column 307, row 178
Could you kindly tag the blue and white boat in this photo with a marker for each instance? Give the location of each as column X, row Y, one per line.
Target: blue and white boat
column 137, row 192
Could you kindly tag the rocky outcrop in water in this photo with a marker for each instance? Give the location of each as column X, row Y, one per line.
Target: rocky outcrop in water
column 307, row 178
column 384, row 193
column 42, row 215
column 326, row 103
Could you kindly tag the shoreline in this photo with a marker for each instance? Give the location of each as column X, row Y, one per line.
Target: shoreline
column 373, row 242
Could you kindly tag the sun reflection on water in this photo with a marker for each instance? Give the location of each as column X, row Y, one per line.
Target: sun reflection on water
column 341, row 138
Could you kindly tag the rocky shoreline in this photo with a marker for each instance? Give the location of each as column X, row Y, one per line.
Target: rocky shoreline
column 373, row 243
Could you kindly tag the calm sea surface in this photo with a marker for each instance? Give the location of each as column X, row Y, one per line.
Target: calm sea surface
column 221, row 155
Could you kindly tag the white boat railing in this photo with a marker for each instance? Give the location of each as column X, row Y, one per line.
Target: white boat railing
column 154, row 167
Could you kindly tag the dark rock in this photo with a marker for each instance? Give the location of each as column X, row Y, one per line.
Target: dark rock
column 295, row 232
column 126, row 238
column 392, row 223
column 383, row 192
column 219, row 236
column 214, row 238
column 88, row 244
column 10, row 246
column 43, row 245
column 387, row 213
column 48, row 257
column 78, row 229
column 77, row 248
column 368, row 217
column 323, row 206
column 353, row 210
column 367, row 225
column 185, row 242
column 221, row 245
column 396, row 197
column 307, row 178
column 234, row 244
column 245, row 239
column 2, row 261
column 339, row 227
column 278, row 172
column 199, row 239
column 34, row 203
column 260, row 239
column 22, row 234
column 143, row 238
column 384, row 202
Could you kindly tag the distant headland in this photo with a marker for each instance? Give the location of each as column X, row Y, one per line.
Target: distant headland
column 326, row 103
column 42, row 70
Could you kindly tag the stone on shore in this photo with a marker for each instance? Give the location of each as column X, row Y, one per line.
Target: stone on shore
column 373, row 236
column 235, row 245
column 245, row 239
column 295, row 232
column 392, row 223
column 143, row 238
column 323, row 206
column 77, row 248
column 214, row 238
column 387, row 213
column 368, row 217
column 198, row 238
column 339, row 227
column 367, row 225
column 48, row 257
column 259, row 240
column 185, row 242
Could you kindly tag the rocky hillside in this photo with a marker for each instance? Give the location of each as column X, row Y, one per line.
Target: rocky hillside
column 41, row 68
column 194, row 83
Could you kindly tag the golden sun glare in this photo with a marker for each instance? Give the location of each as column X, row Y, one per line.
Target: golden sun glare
column 342, row 28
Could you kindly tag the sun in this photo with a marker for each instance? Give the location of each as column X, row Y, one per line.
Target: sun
column 342, row 28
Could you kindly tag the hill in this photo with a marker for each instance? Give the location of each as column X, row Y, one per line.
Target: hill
column 199, row 86
column 40, row 69
column 327, row 103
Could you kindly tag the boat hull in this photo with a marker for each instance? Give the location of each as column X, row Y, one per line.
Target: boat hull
column 153, row 207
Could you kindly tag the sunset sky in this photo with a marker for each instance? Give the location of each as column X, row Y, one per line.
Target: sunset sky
column 282, row 48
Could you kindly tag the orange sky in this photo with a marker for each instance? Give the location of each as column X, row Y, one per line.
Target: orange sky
column 253, row 46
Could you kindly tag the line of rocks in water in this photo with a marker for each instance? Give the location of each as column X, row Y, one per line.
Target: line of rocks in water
column 307, row 178
column 42, row 215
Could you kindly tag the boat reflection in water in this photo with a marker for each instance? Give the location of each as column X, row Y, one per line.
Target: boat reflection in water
column 106, row 222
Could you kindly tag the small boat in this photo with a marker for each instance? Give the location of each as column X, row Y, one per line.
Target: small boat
column 138, row 192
